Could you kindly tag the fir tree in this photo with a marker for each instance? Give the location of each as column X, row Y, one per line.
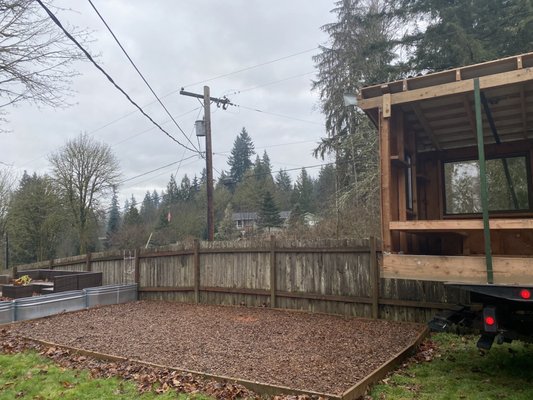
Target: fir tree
column 113, row 223
column 148, row 209
column 132, row 216
column 303, row 192
column 269, row 213
column 239, row 160
column 283, row 189
column 172, row 193
column 457, row 33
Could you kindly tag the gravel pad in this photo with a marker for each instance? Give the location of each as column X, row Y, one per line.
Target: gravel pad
column 322, row 353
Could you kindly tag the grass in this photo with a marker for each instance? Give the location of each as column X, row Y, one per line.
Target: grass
column 460, row 372
column 29, row 375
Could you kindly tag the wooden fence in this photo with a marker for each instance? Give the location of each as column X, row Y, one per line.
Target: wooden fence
column 331, row 276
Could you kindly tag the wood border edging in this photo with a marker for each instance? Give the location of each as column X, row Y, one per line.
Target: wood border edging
column 361, row 387
column 256, row 386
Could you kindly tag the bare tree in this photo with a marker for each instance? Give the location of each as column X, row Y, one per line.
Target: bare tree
column 85, row 170
column 35, row 56
column 6, row 186
column 7, row 180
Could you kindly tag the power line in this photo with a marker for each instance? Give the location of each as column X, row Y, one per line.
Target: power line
column 155, row 169
column 90, row 58
column 192, row 131
column 149, row 129
column 139, row 72
column 219, row 153
column 252, row 67
column 272, row 82
column 277, row 115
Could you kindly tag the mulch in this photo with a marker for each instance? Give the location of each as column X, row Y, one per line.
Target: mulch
column 313, row 352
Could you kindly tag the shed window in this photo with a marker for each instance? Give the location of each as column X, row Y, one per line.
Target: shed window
column 507, row 181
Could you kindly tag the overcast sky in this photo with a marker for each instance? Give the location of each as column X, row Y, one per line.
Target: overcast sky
column 179, row 43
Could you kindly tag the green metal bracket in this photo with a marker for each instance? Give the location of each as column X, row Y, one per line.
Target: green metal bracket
column 483, row 181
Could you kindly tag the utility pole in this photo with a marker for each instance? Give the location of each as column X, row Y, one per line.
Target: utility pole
column 223, row 102
column 209, row 166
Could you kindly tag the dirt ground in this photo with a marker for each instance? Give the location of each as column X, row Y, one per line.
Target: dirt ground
column 322, row 353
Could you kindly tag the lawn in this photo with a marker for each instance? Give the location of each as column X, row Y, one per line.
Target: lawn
column 28, row 375
column 458, row 371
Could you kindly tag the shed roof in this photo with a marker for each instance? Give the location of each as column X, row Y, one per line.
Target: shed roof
column 439, row 107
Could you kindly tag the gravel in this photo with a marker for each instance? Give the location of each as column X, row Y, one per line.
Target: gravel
column 316, row 352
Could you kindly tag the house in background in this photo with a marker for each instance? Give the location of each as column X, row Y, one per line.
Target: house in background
column 247, row 222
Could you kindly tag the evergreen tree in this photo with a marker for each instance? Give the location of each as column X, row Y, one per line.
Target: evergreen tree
column 132, row 216
column 195, row 185
column 156, row 199
column 185, row 190
column 239, row 160
column 267, row 166
column 303, row 192
column 362, row 50
column 35, row 220
column 324, row 191
column 148, row 209
column 283, row 190
column 269, row 213
column 456, row 33
column 113, row 223
column 172, row 193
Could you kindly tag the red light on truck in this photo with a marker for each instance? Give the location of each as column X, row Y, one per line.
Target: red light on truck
column 525, row 294
column 490, row 323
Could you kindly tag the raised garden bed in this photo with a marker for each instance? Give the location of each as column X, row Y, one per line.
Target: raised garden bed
column 61, row 281
column 17, row 292
column 310, row 352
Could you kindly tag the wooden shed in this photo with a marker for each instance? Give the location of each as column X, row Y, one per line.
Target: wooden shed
column 456, row 152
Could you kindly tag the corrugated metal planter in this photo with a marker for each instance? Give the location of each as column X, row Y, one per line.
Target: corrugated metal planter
column 7, row 312
column 50, row 304
column 111, row 294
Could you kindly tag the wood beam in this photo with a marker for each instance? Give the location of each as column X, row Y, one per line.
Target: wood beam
column 464, row 269
column 448, row 89
column 458, row 225
column 524, row 110
column 425, row 125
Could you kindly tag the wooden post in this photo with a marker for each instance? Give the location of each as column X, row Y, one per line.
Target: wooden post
column 374, row 276
column 14, row 272
column 137, row 270
column 88, row 263
column 51, row 264
column 273, row 280
column 209, row 166
column 197, row 271
column 384, row 142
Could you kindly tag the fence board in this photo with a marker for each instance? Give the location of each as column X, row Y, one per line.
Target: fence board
column 330, row 276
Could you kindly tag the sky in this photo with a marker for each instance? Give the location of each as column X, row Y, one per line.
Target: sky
column 257, row 53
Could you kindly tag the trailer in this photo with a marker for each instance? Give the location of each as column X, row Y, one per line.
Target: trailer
column 456, row 160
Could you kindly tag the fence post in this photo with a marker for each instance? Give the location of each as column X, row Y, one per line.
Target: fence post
column 196, row 271
column 137, row 271
column 374, row 276
column 88, row 264
column 14, row 272
column 51, row 266
column 273, row 281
